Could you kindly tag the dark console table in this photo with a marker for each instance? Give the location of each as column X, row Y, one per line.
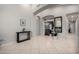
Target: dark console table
column 18, row 36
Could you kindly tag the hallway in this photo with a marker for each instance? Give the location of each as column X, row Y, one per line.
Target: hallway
column 36, row 21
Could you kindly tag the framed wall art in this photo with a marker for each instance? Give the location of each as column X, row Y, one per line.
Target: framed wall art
column 22, row 22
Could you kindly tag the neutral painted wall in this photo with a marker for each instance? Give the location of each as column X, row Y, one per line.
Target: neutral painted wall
column 10, row 21
column 0, row 23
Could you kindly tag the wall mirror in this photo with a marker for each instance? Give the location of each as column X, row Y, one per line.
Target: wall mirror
column 58, row 24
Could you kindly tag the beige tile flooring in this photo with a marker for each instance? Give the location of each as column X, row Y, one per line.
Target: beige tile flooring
column 42, row 44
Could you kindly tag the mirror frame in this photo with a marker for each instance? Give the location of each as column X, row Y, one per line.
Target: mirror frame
column 58, row 29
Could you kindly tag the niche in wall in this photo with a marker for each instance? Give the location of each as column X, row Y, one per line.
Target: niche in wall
column 72, row 17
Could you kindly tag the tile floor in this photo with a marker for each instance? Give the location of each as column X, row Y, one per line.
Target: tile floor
column 42, row 44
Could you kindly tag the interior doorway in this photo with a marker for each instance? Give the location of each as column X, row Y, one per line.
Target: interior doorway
column 48, row 27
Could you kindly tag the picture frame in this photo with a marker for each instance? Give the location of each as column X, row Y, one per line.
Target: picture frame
column 58, row 24
column 22, row 22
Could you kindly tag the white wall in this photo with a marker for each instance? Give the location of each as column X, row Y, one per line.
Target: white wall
column 0, row 23
column 10, row 21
